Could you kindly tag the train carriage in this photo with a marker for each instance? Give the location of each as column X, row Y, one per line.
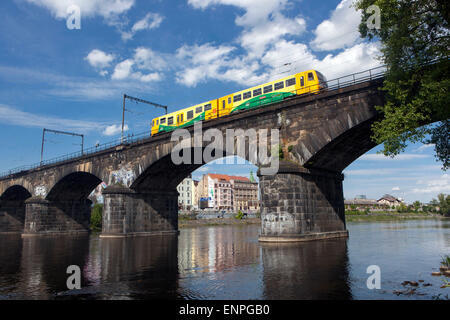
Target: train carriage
column 301, row 83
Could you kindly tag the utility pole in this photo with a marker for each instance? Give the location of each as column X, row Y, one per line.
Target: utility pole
column 60, row 132
column 125, row 96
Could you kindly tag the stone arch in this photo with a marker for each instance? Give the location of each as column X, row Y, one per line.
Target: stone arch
column 68, row 203
column 12, row 208
column 74, row 186
column 164, row 174
column 344, row 149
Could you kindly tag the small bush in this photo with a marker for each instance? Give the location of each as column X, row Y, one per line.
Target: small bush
column 96, row 217
column 239, row 215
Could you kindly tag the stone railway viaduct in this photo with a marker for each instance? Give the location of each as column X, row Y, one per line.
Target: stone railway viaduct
column 320, row 135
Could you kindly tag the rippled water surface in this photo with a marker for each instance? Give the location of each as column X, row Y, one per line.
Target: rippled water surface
column 229, row 263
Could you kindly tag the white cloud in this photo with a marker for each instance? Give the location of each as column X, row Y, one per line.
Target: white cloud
column 89, row 8
column 75, row 88
column 434, row 185
column 358, row 58
column 262, row 21
column 401, row 157
column 114, row 129
column 340, row 31
column 146, row 58
column 396, row 189
column 12, row 116
column 259, row 37
column 99, row 60
column 202, row 62
column 424, row 147
column 122, row 69
column 150, row 21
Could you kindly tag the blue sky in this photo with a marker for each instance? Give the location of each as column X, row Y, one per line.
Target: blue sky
column 177, row 53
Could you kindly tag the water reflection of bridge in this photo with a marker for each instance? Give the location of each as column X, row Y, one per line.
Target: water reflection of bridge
column 216, row 262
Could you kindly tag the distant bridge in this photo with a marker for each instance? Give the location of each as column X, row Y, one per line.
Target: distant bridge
column 320, row 135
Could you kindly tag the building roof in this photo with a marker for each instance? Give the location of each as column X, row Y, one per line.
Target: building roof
column 389, row 198
column 227, row 177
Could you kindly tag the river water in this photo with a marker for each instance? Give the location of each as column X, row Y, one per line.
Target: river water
column 227, row 262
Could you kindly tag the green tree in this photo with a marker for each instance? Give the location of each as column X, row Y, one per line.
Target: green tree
column 444, row 204
column 416, row 205
column 402, row 208
column 96, row 217
column 413, row 34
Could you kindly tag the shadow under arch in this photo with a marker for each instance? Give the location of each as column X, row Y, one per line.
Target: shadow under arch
column 150, row 204
column 69, row 205
column 74, row 186
column 12, row 208
column 346, row 148
column 164, row 174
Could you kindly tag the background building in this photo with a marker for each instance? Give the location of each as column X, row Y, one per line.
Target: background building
column 389, row 200
column 226, row 192
column 185, row 190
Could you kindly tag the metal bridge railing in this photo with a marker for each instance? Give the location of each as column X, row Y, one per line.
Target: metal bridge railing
column 334, row 84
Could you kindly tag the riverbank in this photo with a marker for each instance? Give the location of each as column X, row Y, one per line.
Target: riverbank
column 383, row 216
column 389, row 216
column 186, row 223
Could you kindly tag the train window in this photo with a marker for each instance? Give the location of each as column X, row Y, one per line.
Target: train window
column 279, row 85
column 237, row 98
column 223, row 104
column 170, row 120
column 229, row 100
column 163, row 120
column 247, row 95
column 257, row 92
column 153, row 123
column 302, row 81
column 207, row 107
column 310, row 76
column 190, row 114
column 290, row 82
column 181, row 117
column 198, row 109
column 268, row 89
column 157, row 121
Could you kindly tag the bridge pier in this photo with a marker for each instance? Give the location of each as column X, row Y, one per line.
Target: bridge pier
column 44, row 217
column 130, row 213
column 12, row 216
column 300, row 205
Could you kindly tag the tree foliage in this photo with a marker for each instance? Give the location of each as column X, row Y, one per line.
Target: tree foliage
column 414, row 38
column 444, row 204
column 96, row 217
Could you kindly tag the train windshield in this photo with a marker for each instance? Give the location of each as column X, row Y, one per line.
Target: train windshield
column 322, row 79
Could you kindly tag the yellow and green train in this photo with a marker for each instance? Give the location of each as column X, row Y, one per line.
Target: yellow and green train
column 300, row 83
